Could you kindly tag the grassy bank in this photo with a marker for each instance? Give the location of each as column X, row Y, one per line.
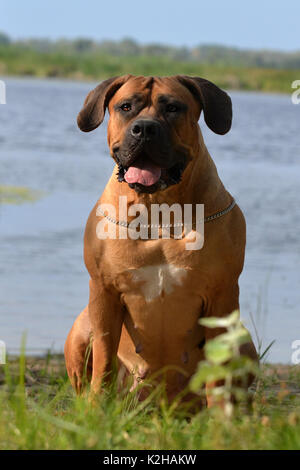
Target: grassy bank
column 38, row 410
column 17, row 194
column 22, row 61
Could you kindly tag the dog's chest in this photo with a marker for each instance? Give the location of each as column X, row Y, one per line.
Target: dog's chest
column 154, row 281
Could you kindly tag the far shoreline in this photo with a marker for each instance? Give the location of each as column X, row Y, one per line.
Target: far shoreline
column 94, row 81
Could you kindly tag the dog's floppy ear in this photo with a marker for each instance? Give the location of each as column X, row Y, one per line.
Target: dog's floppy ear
column 216, row 104
column 93, row 111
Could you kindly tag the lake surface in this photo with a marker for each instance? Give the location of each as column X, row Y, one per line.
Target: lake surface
column 44, row 283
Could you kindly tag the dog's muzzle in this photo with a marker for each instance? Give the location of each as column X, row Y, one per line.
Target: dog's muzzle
column 146, row 159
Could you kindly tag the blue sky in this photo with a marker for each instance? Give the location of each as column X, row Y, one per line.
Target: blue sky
column 245, row 23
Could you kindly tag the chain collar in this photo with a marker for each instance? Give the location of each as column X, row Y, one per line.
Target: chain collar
column 217, row 215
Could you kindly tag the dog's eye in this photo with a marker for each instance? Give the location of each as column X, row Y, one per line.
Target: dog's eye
column 126, row 107
column 171, row 108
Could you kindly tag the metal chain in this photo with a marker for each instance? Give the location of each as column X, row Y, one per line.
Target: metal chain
column 206, row 219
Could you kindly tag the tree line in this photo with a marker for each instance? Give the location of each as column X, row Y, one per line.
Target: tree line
column 212, row 54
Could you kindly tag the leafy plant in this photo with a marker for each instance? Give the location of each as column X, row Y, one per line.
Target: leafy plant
column 224, row 364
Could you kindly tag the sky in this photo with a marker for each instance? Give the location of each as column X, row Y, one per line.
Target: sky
column 252, row 24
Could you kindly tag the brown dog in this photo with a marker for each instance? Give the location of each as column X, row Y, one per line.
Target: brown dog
column 147, row 295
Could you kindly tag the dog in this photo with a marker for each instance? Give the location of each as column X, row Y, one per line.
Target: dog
column 147, row 295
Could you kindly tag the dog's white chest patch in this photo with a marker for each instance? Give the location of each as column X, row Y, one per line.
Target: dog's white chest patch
column 158, row 279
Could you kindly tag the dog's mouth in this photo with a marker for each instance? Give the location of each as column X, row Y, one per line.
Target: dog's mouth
column 145, row 176
column 143, row 172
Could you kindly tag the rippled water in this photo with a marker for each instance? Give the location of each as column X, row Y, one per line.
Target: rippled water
column 44, row 284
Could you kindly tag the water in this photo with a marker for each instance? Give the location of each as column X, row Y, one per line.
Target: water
column 44, row 284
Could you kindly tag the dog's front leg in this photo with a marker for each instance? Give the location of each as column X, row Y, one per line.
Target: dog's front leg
column 106, row 316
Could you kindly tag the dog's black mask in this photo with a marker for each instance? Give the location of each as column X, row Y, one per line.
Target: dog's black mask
column 147, row 146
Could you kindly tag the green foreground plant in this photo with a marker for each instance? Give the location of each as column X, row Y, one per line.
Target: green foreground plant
column 224, row 362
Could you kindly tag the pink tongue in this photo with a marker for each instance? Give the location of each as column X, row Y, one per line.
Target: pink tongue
column 145, row 173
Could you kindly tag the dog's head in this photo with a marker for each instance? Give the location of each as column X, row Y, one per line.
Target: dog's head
column 153, row 124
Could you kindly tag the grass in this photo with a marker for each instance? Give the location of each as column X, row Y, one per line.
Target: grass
column 17, row 194
column 38, row 410
column 21, row 61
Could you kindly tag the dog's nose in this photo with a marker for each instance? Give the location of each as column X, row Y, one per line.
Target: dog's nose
column 145, row 129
